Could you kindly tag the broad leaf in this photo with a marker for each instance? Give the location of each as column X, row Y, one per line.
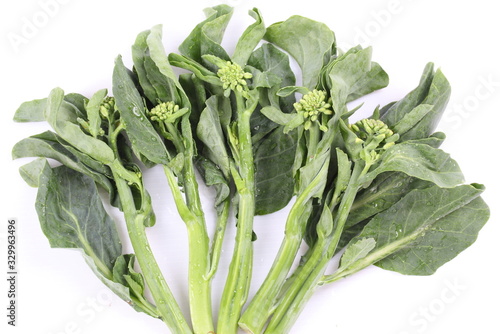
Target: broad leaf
column 424, row 230
column 140, row 54
column 274, row 64
column 307, row 41
column 438, row 96
column 433, row 90
column 376, row 78
column 274, row 182
column 197, row 95
column 31, row 111
column 79, row 102
column 162, row 66
column 410, row 119
column 420, row 161
column 383, row 192
column 71, row 215
column 249, row 39
column 345, row 74
column 392, row 113
column 141, row 132
column 207, row 35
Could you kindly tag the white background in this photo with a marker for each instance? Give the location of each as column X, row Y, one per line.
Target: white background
column 73, row 45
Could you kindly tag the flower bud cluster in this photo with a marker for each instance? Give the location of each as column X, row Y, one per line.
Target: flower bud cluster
column 312, row 106
column 107, row 106
column 233, row 77
column 164, row 112
column 374, row 136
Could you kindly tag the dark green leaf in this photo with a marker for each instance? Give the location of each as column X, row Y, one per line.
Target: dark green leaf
column 345, row 75
column 387, row 189
column 420, row 161
column 72, row 216
column 195, row 90
column 392, row 113
column 438, row 96
column 79, row 101
column 433, row 90
column 424, row 230
column 169, row 82
column 305, row 40
column 275, row 71
column 376, row 78
column 207, row 35
column 140, row 53
column 249, row 39
column 440, row 243
column 141, row 132
column 274, row 182
column 124, row 273
column 209, row 131
column 213, row 176
column 435, row 140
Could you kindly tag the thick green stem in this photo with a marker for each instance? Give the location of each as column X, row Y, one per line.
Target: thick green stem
column 200, row 300
column 299, row 292
column 237, row 285
column 200, row 293
column 166, row 304
column 311, row 274
column 262, row 304
column 260, row 308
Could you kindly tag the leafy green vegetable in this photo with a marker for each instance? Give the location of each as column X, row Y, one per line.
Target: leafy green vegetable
column 377, row 191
